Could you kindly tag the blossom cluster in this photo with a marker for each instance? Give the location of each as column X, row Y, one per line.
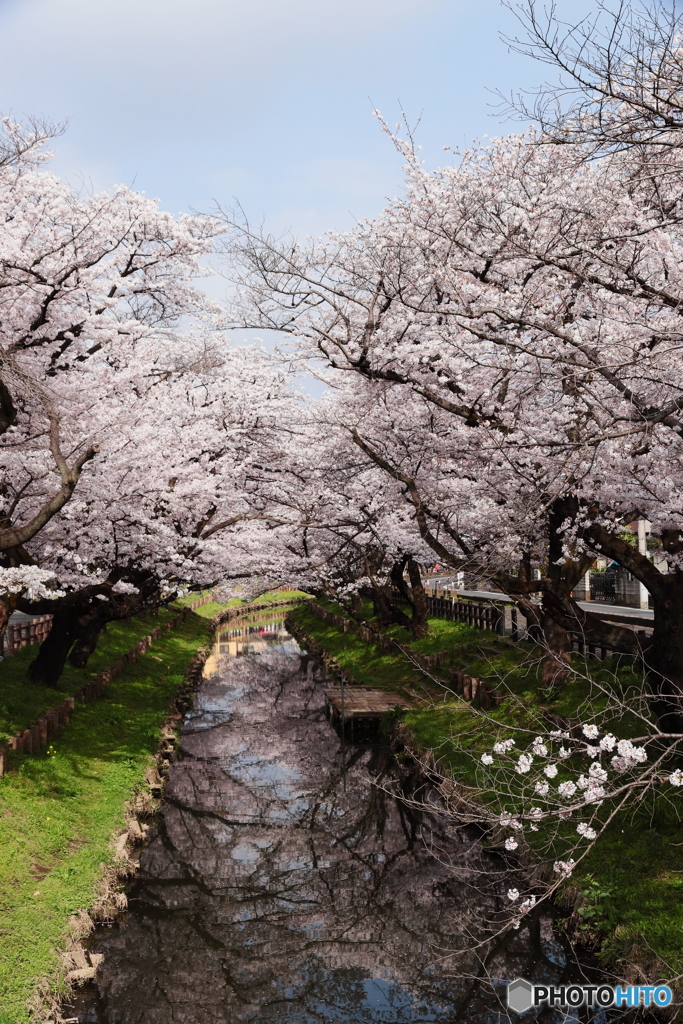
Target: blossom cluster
column 548, row 756
column 29, row 580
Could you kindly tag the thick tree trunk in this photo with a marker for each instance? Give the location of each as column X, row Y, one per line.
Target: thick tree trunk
column 664, row 657
column 562, row 575
column 386, row 609
column 86, row 643
column 413, row 595
column 78, row 620
column 552, row 620
column 48, row 665
column 418, row 600
column 557, row 652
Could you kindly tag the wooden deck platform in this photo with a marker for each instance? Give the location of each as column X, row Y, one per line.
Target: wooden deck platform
column 362, row 703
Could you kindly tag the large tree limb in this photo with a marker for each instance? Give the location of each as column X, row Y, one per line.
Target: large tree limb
column 14, row 536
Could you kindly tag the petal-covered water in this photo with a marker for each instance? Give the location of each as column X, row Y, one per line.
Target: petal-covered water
column 284, row 886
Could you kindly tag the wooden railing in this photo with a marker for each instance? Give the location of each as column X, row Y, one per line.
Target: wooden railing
column 23, row 634
column 506, row 620
column 474, row 613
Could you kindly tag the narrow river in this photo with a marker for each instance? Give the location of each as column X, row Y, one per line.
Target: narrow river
column 284, row 886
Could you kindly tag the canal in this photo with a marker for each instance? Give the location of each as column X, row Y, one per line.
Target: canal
column 285, row 885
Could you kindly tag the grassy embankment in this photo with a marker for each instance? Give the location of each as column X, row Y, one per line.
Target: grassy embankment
column 59, row 809
column 633, row 878
column 213, row 607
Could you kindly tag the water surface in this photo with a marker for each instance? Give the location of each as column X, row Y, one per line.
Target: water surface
column 285, row 886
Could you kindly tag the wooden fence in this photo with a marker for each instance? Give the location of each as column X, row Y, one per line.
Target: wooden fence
column 474, row 613
column 22, row 634
column 507, row 620
column 483, row 616
column 504, row 620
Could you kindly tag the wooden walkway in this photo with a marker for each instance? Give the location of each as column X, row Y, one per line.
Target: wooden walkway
column 361, row 703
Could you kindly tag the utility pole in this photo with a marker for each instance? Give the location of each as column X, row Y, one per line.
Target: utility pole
column 643, row 532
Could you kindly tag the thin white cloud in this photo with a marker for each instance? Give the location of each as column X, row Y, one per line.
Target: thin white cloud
column 268, row 101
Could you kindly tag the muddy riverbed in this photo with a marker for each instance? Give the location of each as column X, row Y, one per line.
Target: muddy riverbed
column 285, row 887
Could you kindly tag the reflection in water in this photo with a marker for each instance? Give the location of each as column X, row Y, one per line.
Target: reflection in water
column 244, row 638
column 283, row 889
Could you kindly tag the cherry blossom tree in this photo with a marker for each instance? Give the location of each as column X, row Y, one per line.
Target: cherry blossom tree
column 349, row 535
column 365, row 302
column 91, row 286
column 548, row 794
column 83, row 280
column 168, row 504
column 531, row 296
column 620, row 70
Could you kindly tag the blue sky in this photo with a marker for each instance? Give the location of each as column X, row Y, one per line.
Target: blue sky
column 267, row 101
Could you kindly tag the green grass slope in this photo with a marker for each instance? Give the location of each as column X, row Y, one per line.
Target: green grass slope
column 58, row 810
column 632, row 880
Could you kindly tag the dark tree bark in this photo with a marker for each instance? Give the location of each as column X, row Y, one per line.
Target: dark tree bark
column 558, row 584
column 68, row 620
column 413, row 593
column 78, row 621
column 664, row 657
column 387, row 599
column 387, row 609
column 86, row 640
column 8, row 413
